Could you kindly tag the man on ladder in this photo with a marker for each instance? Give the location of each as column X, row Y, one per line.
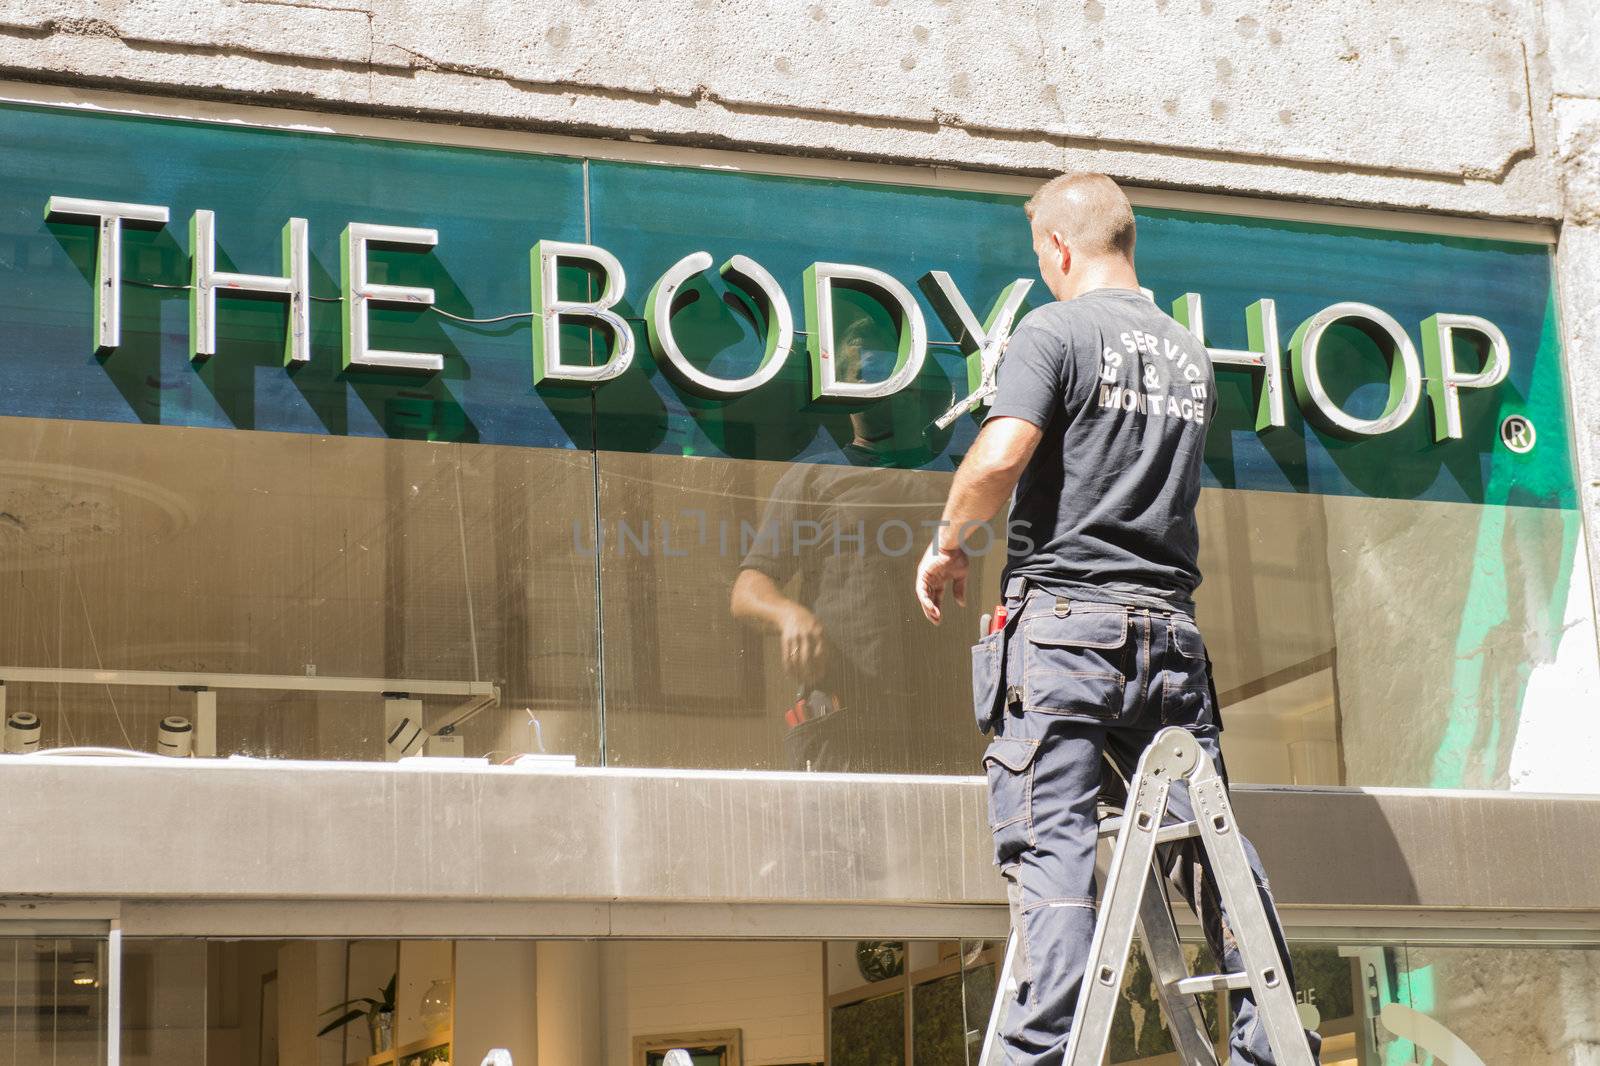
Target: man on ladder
column 1099, row 425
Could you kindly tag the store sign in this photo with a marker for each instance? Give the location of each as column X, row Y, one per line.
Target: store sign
column 215, row 275
column 1444, row 378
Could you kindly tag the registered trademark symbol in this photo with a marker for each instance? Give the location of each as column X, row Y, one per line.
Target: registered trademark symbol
column 1517, row 433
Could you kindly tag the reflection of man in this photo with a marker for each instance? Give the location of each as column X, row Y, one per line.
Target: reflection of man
column 1099, row 424
column 825, row 573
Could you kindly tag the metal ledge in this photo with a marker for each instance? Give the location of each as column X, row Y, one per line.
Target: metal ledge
column 615, row 851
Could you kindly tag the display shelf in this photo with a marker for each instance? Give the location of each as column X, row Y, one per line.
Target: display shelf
column 427, row 1043
column 440, row 1038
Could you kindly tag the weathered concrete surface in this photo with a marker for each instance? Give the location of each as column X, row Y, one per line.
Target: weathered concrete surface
column 1486, row 996
column 1574, row 44
column 1574, row 61
column 253, row 830
column 1417, row 103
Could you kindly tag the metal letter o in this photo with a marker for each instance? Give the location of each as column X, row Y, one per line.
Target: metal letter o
column 748, row 275
column 1319, row 405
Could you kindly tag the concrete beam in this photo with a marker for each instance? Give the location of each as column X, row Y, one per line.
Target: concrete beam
column 241, row 830
column 1429, row 104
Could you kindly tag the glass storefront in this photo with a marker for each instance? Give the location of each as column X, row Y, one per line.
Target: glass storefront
column 638, row 574
column 729, row 1003
column 52, row 999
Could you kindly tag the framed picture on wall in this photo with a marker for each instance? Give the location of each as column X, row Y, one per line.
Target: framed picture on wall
column 721, row 1047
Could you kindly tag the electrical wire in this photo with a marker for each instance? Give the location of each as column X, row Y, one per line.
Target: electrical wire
column 452, row 316
column 477, row 321
column 94, row 645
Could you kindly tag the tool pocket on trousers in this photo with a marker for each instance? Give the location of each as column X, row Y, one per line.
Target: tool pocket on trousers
column 1073, row 663
column 1009, row 765
column 988, row 671
column 1186, row 679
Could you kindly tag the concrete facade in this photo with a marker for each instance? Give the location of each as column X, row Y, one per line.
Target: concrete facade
column 1435, row 104
column 1476, row 109
column 1482, row 108
column 1573, row 28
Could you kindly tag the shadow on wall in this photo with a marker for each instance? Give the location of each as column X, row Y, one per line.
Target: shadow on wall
column 1293, row 826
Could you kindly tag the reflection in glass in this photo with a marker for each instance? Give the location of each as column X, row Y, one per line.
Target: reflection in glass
column 869, row 1032
column 827, row 576
column 589, row 1003
column 1381, row 1005
column 219, row 553
column 1325, row 674
column 52, row 1001
column 787, row 637
column 1337, row 657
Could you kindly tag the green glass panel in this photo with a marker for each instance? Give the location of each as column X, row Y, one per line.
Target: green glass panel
column 490, row 207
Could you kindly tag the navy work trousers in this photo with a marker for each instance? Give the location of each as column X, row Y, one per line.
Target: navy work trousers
column 1068, row 687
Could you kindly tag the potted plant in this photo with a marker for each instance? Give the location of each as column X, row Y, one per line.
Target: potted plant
column 379, row 1013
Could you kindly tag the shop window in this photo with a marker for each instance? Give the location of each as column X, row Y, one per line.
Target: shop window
column 187, row 1002
column 325, row 562
column 53, row 1004
column 302, row 610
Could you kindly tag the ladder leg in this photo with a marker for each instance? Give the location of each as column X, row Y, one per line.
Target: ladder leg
column 1241, row 900
column 1119, row 909
column 1005, row 991
column 1159, row 939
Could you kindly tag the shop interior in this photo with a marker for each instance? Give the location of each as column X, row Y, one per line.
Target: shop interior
column 566, row 1002
column 725, row 1002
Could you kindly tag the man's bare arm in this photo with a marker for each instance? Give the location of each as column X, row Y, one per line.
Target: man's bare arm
column 987, row 476
column 757, row 598
column 982, row 485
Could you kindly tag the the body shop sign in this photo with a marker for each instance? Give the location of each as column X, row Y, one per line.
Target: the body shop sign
column 670, row 309
column 552, row 364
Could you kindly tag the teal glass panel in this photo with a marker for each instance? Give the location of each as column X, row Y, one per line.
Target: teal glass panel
column 652, row 216
column 488, row 208
column 1232, row 262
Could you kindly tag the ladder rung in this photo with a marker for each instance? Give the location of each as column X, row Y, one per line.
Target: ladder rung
column 1110, row 827
column 1212, row 982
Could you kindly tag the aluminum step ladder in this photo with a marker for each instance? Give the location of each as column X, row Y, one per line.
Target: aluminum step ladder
column 1135, row 893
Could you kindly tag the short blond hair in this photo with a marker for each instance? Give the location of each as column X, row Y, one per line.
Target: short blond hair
column 1089, row 210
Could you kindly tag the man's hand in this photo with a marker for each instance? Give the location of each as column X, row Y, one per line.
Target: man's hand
column 804, row 643
column 982, row 482
column 941, row 566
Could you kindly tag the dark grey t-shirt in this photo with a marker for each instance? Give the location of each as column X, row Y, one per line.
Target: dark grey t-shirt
column 1123, row 394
